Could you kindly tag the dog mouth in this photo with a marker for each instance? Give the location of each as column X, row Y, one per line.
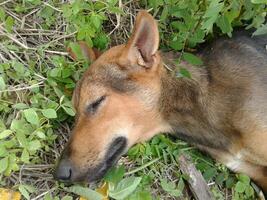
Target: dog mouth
column 113, row 154
column 73, row 174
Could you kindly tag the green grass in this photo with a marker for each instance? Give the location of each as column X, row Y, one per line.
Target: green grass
column 37, row 79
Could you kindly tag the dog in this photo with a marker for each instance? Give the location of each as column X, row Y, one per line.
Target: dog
column 128, row 96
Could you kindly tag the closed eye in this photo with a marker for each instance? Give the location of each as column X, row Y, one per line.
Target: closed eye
column 92, row 108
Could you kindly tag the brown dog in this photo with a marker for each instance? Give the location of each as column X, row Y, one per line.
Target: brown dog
column 128, row 96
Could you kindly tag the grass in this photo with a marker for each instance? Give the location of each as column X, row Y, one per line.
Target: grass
column 38, row 76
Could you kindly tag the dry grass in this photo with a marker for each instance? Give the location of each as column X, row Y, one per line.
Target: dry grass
column 28, row 37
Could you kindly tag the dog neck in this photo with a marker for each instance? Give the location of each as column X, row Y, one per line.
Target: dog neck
column 184, row 106
column 179, row 93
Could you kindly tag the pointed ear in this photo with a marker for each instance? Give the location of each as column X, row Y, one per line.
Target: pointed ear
column 144, row 42
column 90, row 54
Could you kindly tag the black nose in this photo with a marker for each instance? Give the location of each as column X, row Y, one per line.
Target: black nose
column 64, row 170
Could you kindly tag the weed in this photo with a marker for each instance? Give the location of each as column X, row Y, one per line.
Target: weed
column 37, row 80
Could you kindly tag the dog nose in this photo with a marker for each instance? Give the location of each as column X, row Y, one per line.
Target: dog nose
column 64, row 170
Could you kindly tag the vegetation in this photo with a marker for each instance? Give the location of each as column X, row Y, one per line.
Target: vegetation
column 37, row 78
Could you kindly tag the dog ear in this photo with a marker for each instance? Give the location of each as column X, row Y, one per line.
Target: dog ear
column 90, row 54
column 144, row 42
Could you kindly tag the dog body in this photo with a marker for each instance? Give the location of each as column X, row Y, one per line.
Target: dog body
column 222, row 109
column 128, row 96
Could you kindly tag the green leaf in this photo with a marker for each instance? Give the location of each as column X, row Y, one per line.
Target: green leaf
column 3, row 164
column 67, row 198
column 24, row 192
column 66, row 72
column 262, row 30
column 232, row 14
column 9, row 24
column 176, row 45
column 170, row 187
column 124, row 188
column 101, row 41
column 31, row 116
column 22, row 139
column 208, row 24
column 2, row 14
column 34, row 145
column 133, row 151
column 181, row 185
column 140, row 195
column 48, row 196
column 12, row 164
column 164, row 13
column 18, row 67
column 211, row 14
column 3, row 151
column 112, row 2
column 249, row 191
column 115, row 174
column 191, row 58
column 210, row 173
column 49, row 113
column 259, row 1
column 25, row 156
column 214, row 8
column 5, row 134
column 67, row 106
column 224, row 24
column 184, row 72
column 84, row 192
column 96, row 20
column 20, row 106
column 244, row 179
column 76, row 49
column 40, row 134
column 240, row 187
column 30, row 188
column 220, row 178
column 2, row 84
column 115, row 10
column 55, row 72
column 81, row 34
column 167, row 186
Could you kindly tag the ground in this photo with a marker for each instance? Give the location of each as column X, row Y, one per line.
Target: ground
column 37, row 80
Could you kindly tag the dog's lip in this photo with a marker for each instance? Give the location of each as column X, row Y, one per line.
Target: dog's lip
column 97, row 175
column 117, row 150
column 100, row 171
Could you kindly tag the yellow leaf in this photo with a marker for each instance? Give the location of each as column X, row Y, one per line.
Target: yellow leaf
column 103, row 190
column 7, row 194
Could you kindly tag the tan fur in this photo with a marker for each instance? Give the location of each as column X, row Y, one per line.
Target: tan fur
column 222, row 109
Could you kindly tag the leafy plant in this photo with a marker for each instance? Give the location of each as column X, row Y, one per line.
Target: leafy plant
column 243, row 189
column 186, row 24
column 37, row 79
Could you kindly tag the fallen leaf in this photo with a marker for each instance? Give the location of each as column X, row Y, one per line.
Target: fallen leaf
column 103, row 190
column 7, row 194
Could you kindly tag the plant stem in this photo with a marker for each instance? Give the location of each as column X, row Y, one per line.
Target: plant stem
column 143, row 166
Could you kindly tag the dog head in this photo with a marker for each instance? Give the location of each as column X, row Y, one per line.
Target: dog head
column 117, row 103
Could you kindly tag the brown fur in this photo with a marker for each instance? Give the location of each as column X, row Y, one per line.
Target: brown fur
column 222, row 109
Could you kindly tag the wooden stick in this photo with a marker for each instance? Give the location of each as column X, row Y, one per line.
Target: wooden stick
column 196, row 182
